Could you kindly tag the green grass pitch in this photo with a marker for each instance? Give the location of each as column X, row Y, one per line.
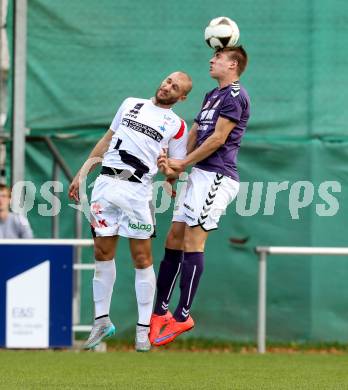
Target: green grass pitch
column 171, row 370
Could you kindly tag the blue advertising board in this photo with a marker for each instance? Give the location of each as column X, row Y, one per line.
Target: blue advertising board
column 36, row 296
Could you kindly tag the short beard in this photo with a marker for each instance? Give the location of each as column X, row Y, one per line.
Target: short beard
column 165, row 102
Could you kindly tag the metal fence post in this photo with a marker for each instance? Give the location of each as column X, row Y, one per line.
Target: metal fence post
column 261, row 320
column 19, row 88
column 55, row 203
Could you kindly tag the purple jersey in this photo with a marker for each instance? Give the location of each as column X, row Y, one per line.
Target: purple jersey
column 231, row 102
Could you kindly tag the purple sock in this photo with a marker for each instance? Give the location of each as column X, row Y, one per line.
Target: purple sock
column 168, row 272
column 192, row 269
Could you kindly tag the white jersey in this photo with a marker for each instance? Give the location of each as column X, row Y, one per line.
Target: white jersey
column 141, row 130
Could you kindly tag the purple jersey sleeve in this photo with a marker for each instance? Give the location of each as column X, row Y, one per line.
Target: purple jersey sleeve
column 231, row 109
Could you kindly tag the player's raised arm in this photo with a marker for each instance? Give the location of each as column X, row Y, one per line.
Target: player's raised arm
column 94, row 158
column 192, row 138
column 209, row 146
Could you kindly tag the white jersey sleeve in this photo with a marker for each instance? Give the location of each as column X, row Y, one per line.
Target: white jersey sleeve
column 117, row 119
column 177, row 146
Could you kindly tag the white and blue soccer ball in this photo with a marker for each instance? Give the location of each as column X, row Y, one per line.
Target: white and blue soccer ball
column 221, row 32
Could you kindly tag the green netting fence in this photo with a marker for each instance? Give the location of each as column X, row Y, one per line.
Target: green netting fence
column 85, row 57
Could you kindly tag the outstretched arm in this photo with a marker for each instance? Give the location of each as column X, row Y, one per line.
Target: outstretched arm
column 192, row 138
column 210, row 145
column 89, row 165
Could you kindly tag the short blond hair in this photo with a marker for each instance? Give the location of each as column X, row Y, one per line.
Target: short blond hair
column 238, row 54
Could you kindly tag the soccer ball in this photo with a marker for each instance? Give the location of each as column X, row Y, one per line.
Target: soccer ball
column 221, row 32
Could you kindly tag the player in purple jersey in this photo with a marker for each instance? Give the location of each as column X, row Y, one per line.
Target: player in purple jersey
column 213, row 183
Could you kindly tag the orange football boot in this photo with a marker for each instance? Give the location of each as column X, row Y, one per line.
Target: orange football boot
column 173, row 330
column 157, row 322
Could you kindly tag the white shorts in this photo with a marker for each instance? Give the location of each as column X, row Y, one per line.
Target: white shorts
column 205, row 199
column 120, row 207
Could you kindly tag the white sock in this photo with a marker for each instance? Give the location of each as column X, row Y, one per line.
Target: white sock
column 145, row 285
column 103, row 283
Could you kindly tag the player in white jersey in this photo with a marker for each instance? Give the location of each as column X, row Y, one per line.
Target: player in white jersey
column 120, row 201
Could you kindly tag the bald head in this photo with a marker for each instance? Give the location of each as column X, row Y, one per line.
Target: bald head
column 184, row 80
column 174, row 88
